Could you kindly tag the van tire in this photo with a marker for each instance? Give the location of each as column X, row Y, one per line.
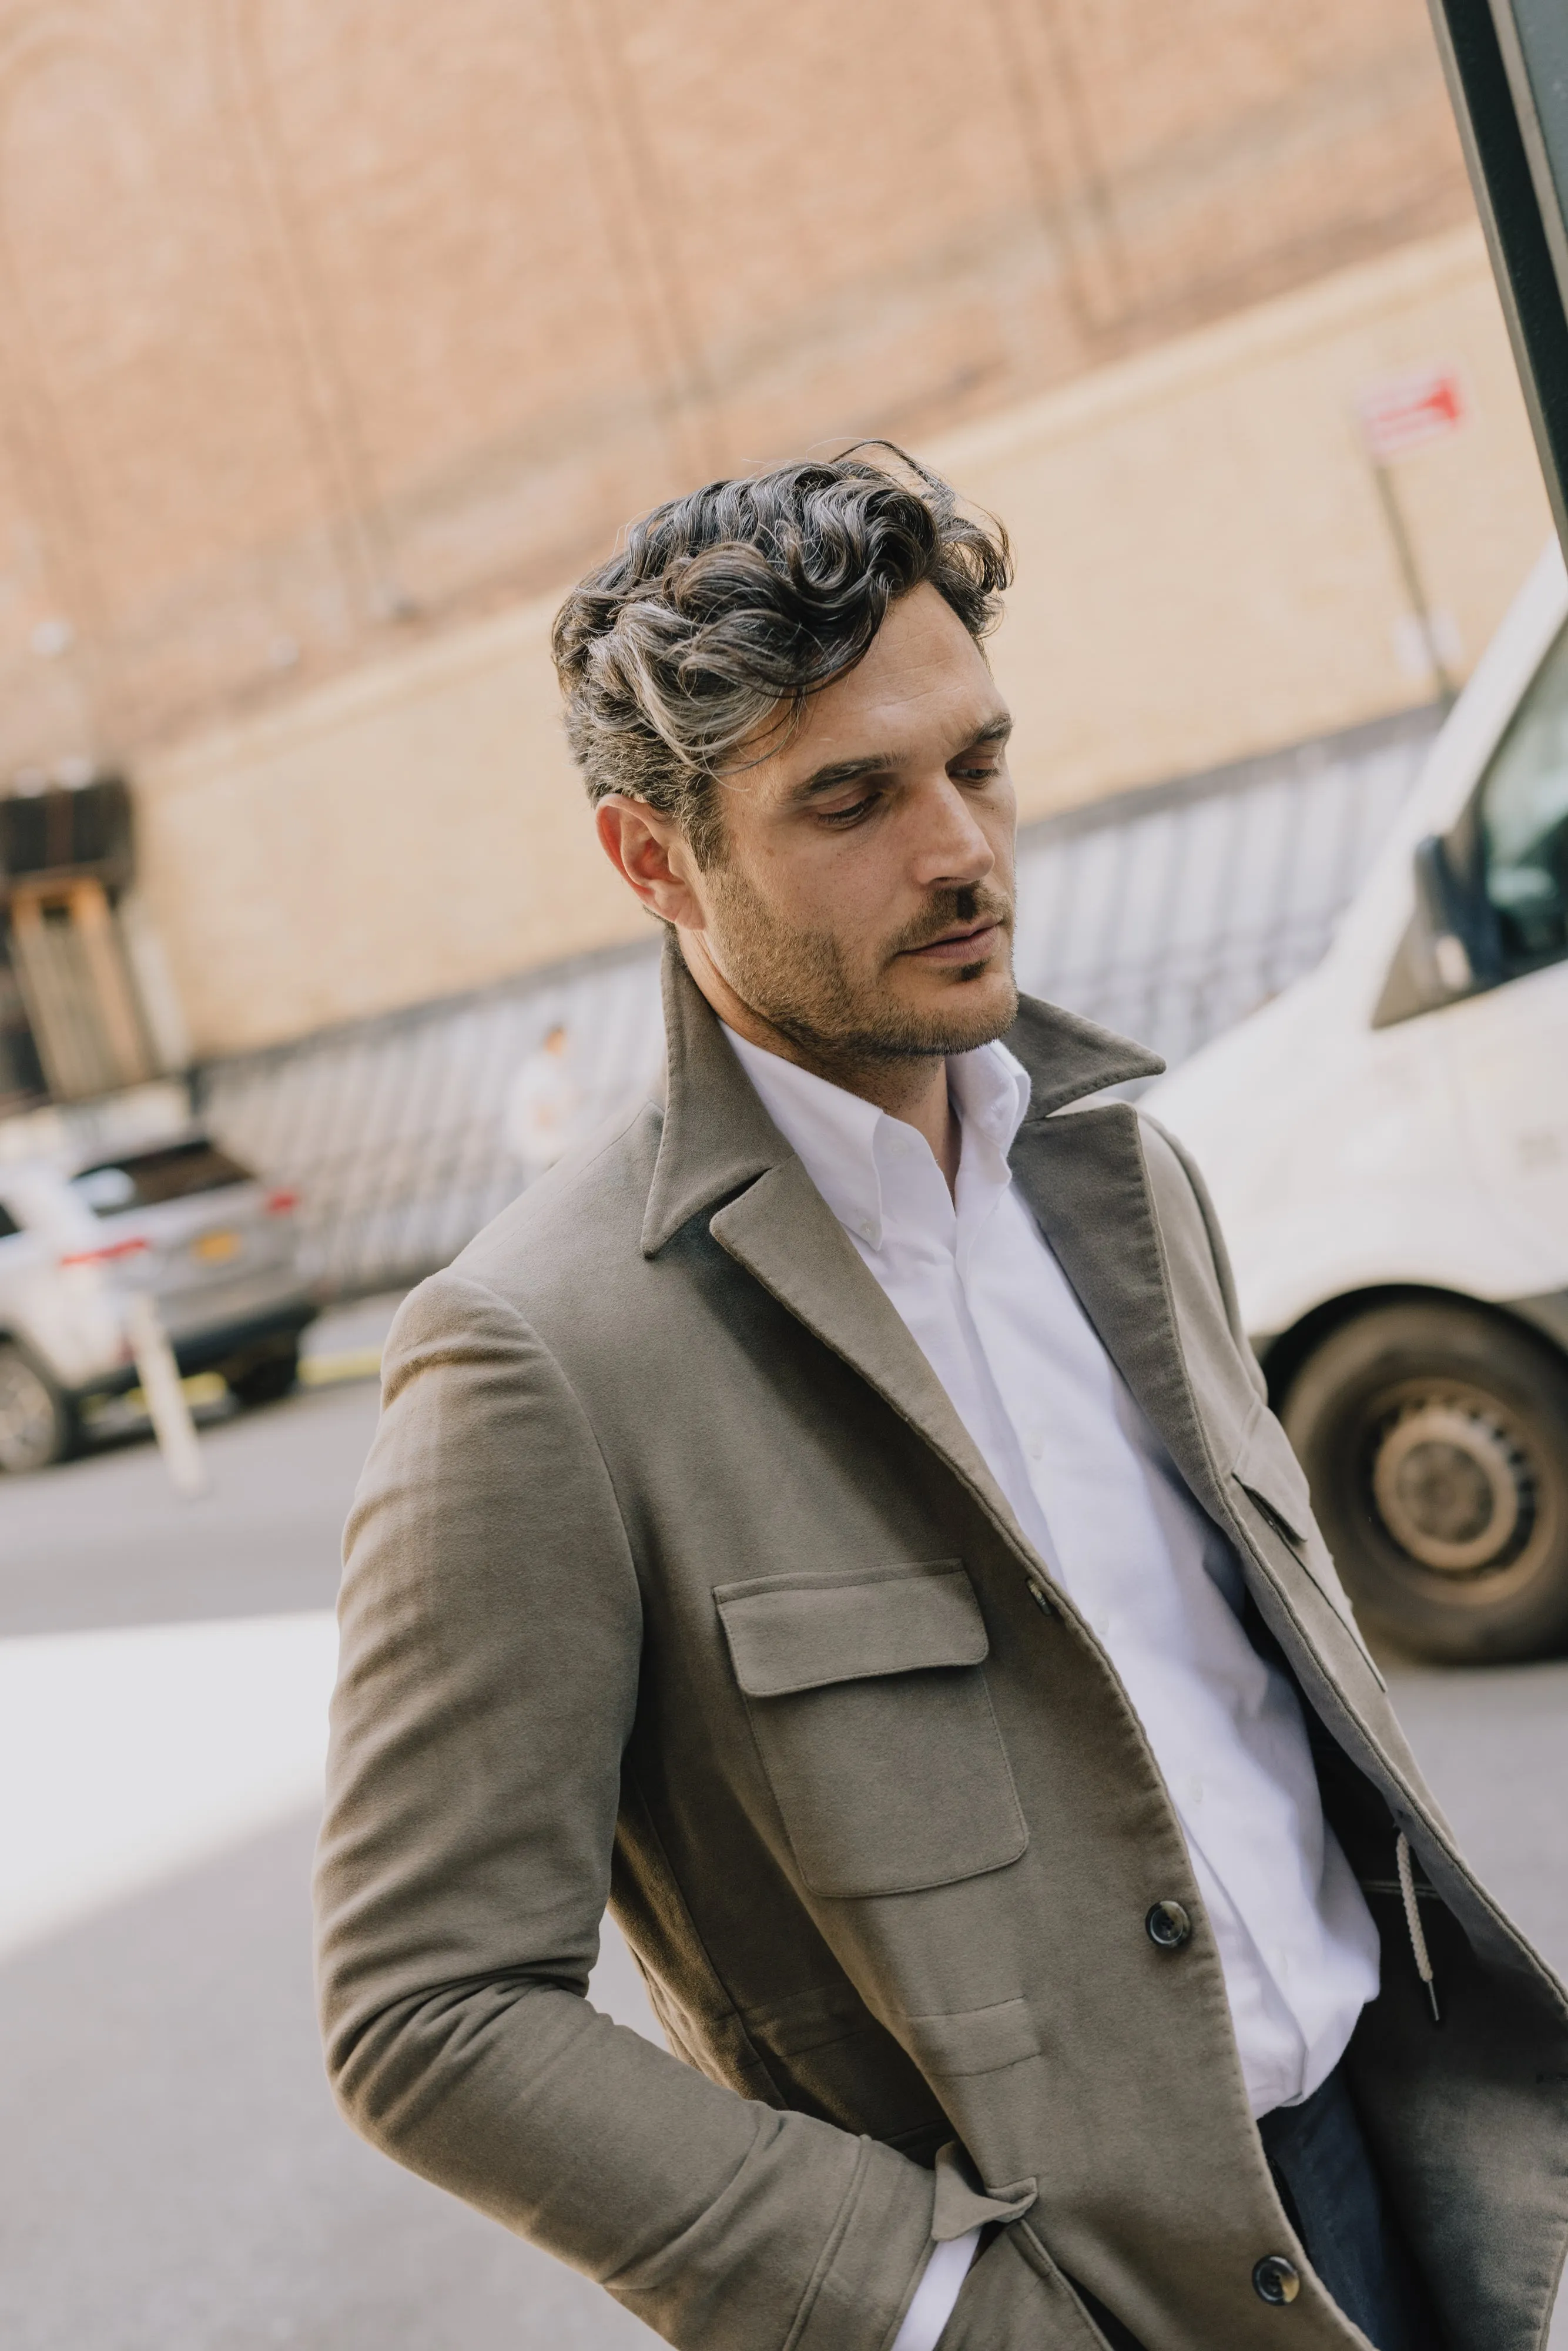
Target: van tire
column 38, row 1425
column 1434, row 1438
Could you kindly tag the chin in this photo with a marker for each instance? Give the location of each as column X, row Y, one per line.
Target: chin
column 976, row 1005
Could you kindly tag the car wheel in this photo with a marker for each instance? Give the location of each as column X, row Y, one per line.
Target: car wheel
column 38, row 1425
column 1434, row 1438
column 265, row 1382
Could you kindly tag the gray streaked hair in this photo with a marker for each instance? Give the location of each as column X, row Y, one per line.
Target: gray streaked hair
column 726, row 609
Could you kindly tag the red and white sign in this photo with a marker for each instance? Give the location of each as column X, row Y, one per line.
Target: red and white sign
column 1404, row 413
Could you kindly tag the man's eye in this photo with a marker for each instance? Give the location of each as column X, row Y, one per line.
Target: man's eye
column 845, row 816
column 979, row 775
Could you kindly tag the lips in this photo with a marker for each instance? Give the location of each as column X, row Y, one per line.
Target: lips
column 972, row 945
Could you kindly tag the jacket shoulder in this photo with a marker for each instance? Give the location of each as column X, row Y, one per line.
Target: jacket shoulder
column 584, row 1217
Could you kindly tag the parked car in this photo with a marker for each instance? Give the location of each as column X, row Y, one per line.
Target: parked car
column 1387, row 1143
column 178, row 1217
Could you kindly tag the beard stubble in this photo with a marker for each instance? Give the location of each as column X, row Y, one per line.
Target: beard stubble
column 803, row 985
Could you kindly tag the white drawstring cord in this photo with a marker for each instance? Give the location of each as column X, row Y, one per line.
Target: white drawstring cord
column 1413, row 1921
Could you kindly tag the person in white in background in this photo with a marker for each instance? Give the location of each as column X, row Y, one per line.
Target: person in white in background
column 543, row 1114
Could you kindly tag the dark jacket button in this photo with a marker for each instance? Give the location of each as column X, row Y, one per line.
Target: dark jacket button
column 1276, row 2280
column 1168, row 1926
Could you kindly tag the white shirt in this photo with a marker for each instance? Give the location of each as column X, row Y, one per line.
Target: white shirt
column 1097, row 1495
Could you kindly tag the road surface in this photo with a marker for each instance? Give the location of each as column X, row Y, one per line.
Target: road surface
column 173, row 2177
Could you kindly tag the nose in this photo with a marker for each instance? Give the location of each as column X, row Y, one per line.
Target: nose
column 953, row 851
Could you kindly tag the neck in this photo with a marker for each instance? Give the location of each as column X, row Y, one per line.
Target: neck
column 911, row 1087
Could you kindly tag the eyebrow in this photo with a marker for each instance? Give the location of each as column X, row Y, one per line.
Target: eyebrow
column 879, row 763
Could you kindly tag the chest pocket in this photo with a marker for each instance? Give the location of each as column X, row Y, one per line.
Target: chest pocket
column 1274, row 1482
column 868, row 1700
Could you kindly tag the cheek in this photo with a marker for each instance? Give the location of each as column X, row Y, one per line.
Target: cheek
column 859, row 897
column 828, row 881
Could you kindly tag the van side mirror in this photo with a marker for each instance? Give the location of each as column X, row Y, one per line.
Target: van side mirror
column 1443, row 955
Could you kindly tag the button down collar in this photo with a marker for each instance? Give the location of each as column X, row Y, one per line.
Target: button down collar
column 876, row 1172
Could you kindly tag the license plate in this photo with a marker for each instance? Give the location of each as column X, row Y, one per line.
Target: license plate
column 216, row 1249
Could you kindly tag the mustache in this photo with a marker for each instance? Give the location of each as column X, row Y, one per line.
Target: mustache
column 954, row 910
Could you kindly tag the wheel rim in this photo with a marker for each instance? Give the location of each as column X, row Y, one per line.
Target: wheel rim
column 1453, row 1485
column 28, row 1432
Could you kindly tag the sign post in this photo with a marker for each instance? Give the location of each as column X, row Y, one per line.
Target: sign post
column 1507, row 64
column 1398, row 416
column 167, row 1408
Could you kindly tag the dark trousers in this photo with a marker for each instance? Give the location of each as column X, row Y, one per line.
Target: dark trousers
column 1328, row 2186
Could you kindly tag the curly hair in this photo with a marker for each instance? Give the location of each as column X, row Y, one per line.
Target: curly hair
column 726, row 609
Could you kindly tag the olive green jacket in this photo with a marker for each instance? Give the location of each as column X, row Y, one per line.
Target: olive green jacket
column 675, row 1581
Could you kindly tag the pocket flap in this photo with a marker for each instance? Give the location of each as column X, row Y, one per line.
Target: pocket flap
column 798, row 1632
column 1269, row 1470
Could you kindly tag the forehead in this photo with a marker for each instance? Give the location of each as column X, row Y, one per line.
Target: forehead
column 923, row 691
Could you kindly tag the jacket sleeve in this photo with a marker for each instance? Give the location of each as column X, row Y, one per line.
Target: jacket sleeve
column 487, row 1681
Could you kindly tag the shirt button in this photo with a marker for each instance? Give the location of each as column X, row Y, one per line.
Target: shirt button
column 1276, row 2280
column 1168, row 1926
column 1034, row 1447
column 868, row 1232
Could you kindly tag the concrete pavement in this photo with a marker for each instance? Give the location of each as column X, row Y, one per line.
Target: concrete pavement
column 173, row 2177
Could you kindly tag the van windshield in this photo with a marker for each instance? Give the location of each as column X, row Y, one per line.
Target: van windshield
column 1524, row 821
column 145, row 1179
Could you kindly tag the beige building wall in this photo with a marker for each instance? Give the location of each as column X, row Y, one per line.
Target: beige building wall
column 337, row 343
column 1203, row 569
column 329, row 324
column 1203, row 572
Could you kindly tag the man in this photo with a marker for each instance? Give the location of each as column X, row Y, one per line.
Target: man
column 835, row 1517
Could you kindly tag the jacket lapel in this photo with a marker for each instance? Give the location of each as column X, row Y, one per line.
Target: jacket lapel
column 1082, row 1177
column 721, row 1152
column 785, row 1235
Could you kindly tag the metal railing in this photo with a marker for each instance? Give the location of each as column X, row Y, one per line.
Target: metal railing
column 1171, row 913
column 1167, row 913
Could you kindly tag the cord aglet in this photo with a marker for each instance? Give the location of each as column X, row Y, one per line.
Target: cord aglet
column 1418, row 1951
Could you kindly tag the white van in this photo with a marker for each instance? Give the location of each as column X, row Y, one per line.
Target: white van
column 1387, row 1145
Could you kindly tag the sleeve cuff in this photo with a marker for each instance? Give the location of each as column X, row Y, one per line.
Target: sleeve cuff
column 936, row 2294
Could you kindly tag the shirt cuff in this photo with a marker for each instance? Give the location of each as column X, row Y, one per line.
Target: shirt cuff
column 935, row 2294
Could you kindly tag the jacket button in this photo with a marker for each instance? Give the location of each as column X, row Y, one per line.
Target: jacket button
column 1168, row 1926
column 1276, row 2280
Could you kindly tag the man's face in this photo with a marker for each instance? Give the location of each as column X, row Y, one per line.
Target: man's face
column 861, row 901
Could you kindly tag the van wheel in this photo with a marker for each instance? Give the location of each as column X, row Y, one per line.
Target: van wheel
column 37, row 1424
column 1434, row 1438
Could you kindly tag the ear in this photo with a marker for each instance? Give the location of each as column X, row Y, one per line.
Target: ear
column 652, row 856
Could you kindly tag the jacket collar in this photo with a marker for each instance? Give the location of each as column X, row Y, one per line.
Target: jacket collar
column 720, row 1151
column 717, row 1137
column 1068, row 1057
